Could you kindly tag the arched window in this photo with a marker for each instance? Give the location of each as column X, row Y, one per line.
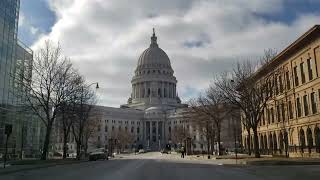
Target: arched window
column 265, row 142
column 261, row 142
column 286, row 140
column 302, row 139
column 148, row 92
column 317, row 138
column 309, row 138
column 275, row 144
column 281, row 141
column 270, row 142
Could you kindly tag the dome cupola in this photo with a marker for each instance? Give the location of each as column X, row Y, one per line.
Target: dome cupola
column 154, row 57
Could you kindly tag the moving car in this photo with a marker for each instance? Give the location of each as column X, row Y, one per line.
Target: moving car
column 99, row 154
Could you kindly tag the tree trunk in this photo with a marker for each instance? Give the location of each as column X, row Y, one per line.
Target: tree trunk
column 249, row 142
column 208, row 146
column 256, row 143
column 46, row 143
column 78, row 150
column 219, row 141
column 65, row 147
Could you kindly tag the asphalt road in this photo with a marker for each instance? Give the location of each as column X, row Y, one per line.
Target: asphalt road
column 153, row 166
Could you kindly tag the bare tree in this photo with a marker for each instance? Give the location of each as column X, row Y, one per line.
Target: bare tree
column 178, row 135
column 211, row 111
column 90, row 130
column 245, row 90
column 66, row 111
column 83, row 107
column 46, row 89
column 124, row 139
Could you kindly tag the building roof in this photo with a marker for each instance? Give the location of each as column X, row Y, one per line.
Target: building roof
column 297, row 45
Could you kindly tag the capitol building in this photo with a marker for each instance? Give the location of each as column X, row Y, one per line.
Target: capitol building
column 153, row 111
column 153, row 116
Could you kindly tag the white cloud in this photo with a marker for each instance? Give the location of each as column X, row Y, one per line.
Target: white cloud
column 24, row 23
column 105, row 38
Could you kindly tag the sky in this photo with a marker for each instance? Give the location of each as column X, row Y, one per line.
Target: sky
column 104, row 38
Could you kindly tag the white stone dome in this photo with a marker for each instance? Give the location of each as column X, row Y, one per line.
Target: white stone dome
column 154, row 57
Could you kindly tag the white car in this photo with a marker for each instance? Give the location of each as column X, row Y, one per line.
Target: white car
column 141, row 151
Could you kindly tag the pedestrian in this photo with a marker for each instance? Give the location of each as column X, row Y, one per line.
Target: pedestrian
column 182, row 152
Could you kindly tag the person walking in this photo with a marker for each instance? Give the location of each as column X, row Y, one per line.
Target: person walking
column 182, row 152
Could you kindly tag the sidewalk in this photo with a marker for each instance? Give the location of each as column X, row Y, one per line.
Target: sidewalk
column 249, row 160
column 22, row 165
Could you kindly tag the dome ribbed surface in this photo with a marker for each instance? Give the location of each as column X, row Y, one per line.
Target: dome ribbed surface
column 154, row 56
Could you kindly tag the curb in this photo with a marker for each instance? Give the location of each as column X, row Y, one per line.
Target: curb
column 281, row 163
column 40, row 167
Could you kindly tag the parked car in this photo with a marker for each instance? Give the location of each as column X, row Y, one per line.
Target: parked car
column 99, row 154
column 141, row 151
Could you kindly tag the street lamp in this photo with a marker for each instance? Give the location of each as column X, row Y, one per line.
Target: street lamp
column 97, row 85
column 234, row 131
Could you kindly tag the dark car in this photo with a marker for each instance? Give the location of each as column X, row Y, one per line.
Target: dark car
column 98, row 155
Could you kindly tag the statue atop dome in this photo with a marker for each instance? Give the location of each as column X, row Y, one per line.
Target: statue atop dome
column 153, row 39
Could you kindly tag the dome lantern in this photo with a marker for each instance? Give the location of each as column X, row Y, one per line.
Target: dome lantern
column 153, row 39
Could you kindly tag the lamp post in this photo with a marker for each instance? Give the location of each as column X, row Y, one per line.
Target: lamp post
column 82, row 90
column 234, row 131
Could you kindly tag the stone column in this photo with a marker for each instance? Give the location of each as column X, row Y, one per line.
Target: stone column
column 139, row 90
column 145, row 89
column 150, row 131
column 157, row 131
column 144, row 126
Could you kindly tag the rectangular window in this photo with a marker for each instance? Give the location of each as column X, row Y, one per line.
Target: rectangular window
column 278, row 113
column 272, row 115
column 309, row 62
column 263, row 118
column 296, row 78
column 305, row 105
column 303, row 78
column 298, row 107
column 269, row 116
column 276, row 85
column 280, row 84
column 283, row 112
column 288, row 80
column 313, row 103
column 290, row 110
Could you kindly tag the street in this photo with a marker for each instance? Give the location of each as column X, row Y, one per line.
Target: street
column 155, row 166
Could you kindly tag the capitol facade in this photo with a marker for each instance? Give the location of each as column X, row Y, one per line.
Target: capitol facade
column 153, row 108
column 153, row 116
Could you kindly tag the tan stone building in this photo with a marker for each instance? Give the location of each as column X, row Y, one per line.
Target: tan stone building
column 291, row 121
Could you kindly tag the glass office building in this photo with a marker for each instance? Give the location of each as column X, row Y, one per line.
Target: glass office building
column 15, row 66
